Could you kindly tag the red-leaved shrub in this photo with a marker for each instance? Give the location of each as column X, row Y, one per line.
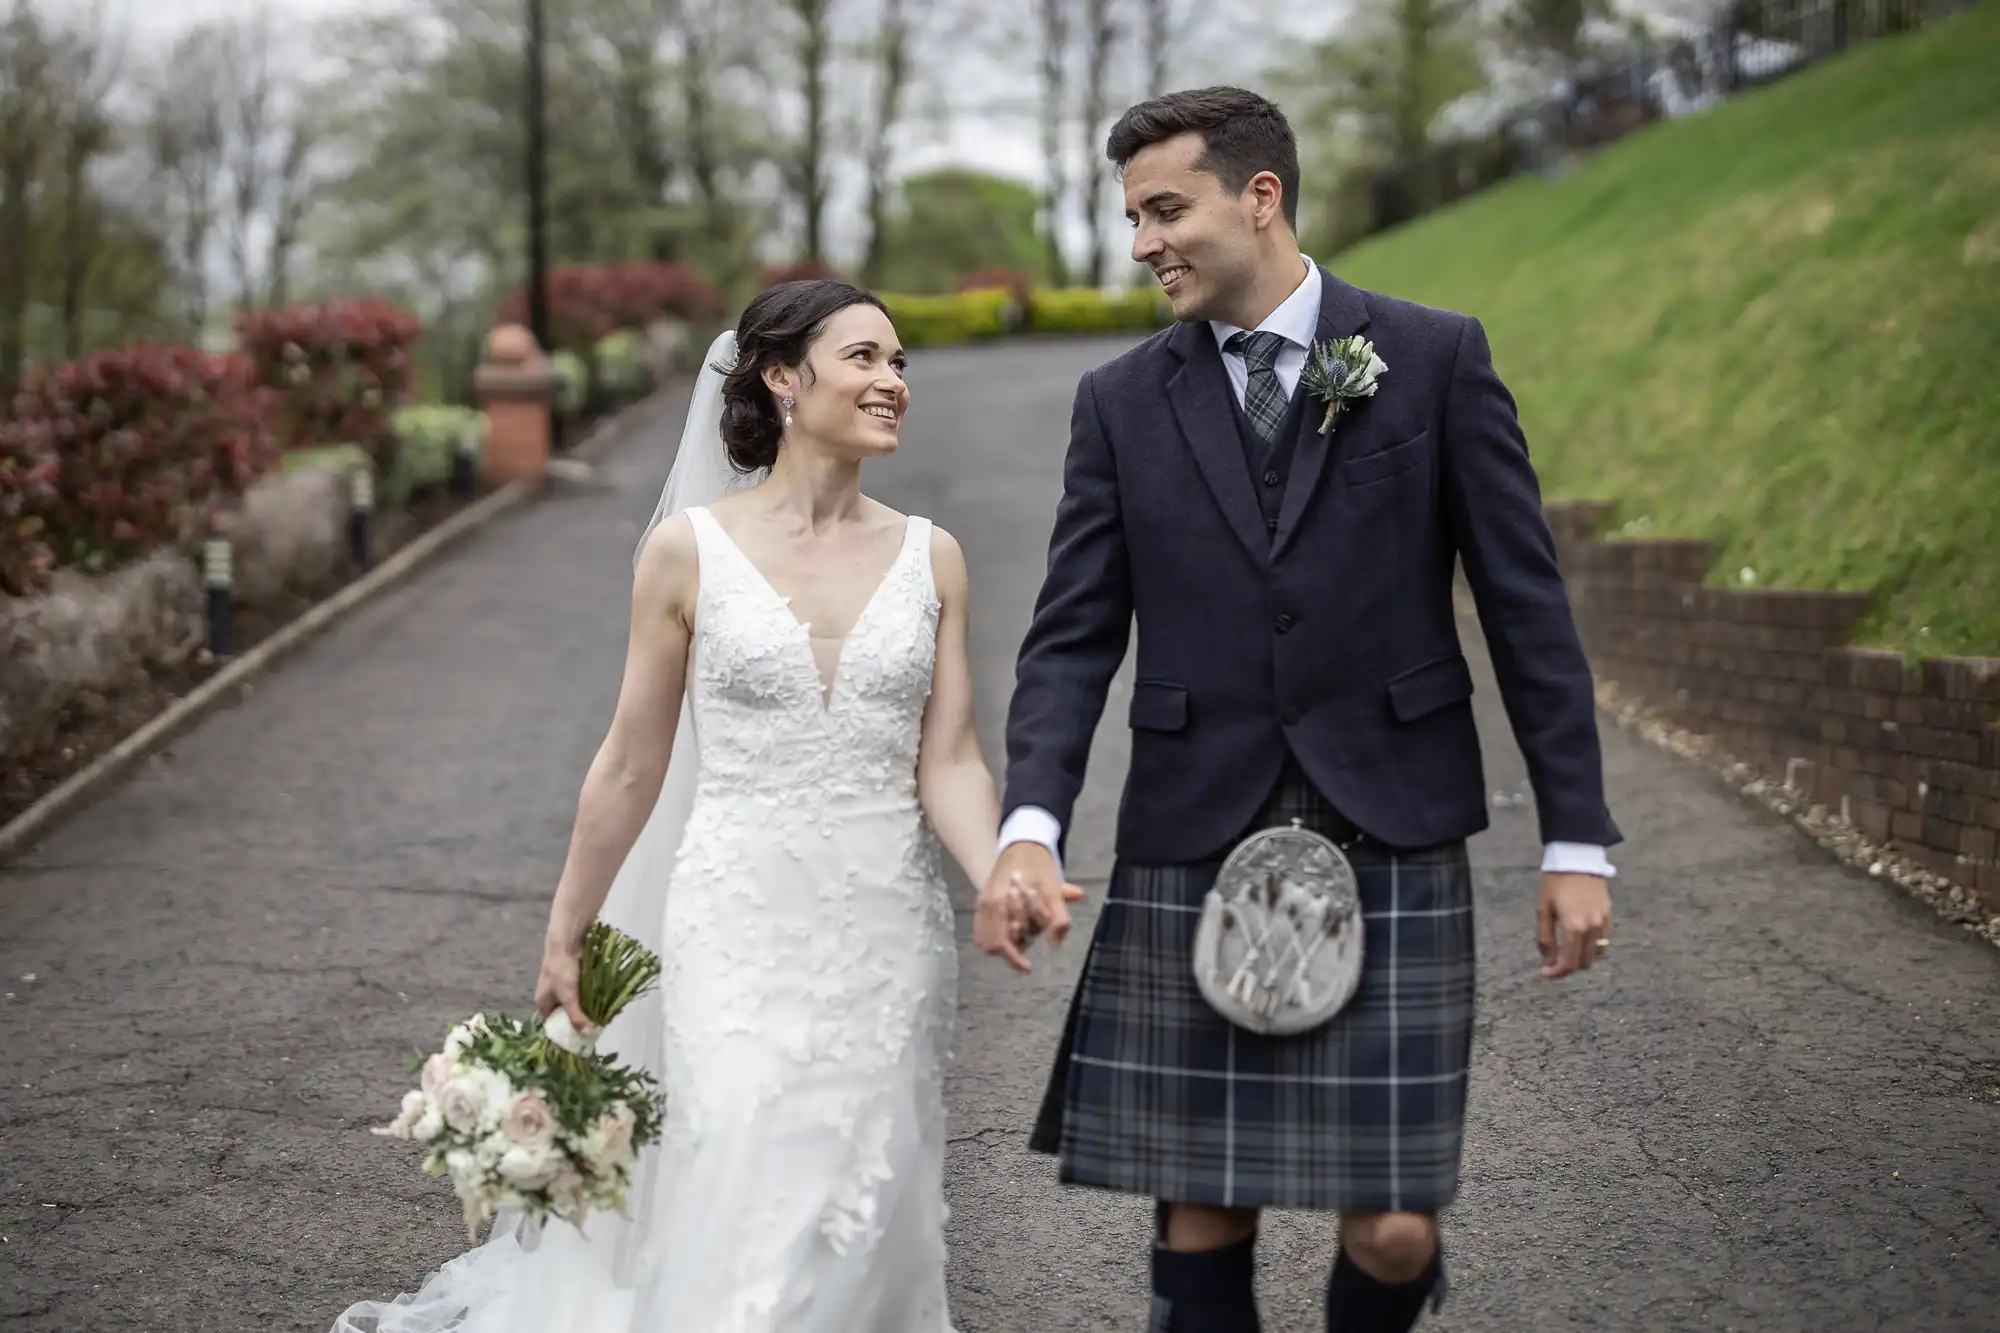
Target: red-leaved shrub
column 799, row 270
column 587, row 303
column 105, row 460
column 28, row 471
column 338, row 370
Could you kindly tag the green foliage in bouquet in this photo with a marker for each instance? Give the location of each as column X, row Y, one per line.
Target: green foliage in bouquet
column 527, row 1116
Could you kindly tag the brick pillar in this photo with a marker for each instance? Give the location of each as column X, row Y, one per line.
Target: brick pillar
column 515, row 386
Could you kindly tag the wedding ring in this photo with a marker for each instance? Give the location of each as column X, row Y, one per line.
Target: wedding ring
column 1603, row 943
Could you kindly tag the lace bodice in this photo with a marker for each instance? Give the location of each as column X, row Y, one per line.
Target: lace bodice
column 764, row 719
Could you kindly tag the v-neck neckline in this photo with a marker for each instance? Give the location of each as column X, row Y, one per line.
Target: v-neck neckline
column 825, row 689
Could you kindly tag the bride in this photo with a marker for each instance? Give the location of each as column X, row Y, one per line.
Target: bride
column 787, row 871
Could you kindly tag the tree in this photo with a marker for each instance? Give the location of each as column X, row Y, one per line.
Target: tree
column 633, row 34
column 1163, row 25
column 953, row 222
column 893, row 52
column 1550, row 30
column 27, row 88
column 1053, row 67
column 187, row 138
column 270, row 147
column 1365, row 100
column 808, row 167
column 1100, row 38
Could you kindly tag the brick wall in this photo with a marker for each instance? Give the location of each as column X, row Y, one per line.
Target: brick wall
column 1913, row 754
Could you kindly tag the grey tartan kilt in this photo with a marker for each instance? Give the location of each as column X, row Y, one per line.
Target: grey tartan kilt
column 1154, row 1093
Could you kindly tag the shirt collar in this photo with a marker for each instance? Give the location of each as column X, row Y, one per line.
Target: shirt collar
column 1296, row 319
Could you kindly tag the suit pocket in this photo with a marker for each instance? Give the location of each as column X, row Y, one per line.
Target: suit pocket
column 1423, row 690
column 1158, row 705
column 1386, row 463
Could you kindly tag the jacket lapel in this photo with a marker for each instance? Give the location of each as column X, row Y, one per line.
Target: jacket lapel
column 1341, row 312
column 1199, row 396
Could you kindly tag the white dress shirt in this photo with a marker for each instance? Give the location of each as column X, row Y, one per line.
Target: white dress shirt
column 1296, row 320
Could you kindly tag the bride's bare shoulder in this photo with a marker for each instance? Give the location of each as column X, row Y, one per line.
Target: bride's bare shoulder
column 669, row 565
column 947, row 564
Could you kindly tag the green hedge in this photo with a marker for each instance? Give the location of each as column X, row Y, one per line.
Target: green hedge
column 1087, row 310
column 931, row 321
column 972, row 316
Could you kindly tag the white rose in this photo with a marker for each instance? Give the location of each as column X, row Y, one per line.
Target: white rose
column 529, row 1168
column 464, row 1167
column 489, row 1150
column 437, row 1072
column 461, row 1036
column 611, row 1137
column 495, row 1095
column 429, row 1126
column 529, row 1121
column 462, row 1102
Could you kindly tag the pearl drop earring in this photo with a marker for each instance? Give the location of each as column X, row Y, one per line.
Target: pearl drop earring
column 788, row 411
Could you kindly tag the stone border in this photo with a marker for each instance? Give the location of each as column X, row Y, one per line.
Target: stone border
column 1830, row 829
column 1907, row 752
column 82, row 787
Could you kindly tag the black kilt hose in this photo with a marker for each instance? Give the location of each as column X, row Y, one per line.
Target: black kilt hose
column 1155, row 1093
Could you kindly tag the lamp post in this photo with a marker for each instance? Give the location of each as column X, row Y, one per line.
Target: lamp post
column 538, row 259
column 538, row 248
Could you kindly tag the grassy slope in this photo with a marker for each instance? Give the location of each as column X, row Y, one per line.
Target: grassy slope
column 1776, row 325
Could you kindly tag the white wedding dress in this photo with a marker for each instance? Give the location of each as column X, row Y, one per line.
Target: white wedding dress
column 804, row 1013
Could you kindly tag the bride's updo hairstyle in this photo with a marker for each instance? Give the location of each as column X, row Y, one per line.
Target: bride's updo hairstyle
column 777, row 329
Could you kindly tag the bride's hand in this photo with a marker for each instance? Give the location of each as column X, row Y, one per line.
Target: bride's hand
column 557, row 986
column 1022, row 898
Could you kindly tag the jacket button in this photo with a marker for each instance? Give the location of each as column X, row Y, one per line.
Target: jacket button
column 1283, row 624
column 1271, row 523
column 1290, row 717
column 1271, row 477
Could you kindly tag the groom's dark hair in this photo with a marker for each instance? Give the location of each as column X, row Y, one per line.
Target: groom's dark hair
column 1243, row 133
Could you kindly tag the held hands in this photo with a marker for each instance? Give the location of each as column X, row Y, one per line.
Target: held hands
column 1022, row 898
column 1572, row 922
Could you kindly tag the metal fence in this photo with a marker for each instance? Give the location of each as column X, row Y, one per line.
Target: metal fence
column 1750, row 44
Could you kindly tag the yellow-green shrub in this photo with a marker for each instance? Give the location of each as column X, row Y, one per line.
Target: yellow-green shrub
column 621, row 365
column 1088, row 310
column 572, row 381
column 931, row 321
column 430, row 435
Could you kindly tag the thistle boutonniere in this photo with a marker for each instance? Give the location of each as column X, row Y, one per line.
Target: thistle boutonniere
column 1340, row 372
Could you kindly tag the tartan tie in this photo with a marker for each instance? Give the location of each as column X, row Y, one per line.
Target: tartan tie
column 1264, row 397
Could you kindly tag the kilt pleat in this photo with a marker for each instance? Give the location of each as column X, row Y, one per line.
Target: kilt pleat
column 1155, row 1093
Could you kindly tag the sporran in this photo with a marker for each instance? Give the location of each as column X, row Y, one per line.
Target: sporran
column 1278, row 949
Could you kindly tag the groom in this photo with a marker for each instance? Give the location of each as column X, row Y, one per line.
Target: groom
column 1297, row 660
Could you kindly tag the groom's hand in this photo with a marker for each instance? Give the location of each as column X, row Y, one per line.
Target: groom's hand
column 1572, row 922
column 1022, row 898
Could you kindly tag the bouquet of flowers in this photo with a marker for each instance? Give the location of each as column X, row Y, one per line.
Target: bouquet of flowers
column 524, row 1115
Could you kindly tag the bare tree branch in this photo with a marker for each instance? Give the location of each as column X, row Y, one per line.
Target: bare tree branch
column 1100, row 39
column 893, row 44
column 1054, row 18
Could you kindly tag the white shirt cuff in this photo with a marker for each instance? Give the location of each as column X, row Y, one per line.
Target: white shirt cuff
column 1575, row 858
column 1031, row 823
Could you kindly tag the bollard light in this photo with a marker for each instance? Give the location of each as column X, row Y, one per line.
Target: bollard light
column 361, row 519
column 218, row 569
